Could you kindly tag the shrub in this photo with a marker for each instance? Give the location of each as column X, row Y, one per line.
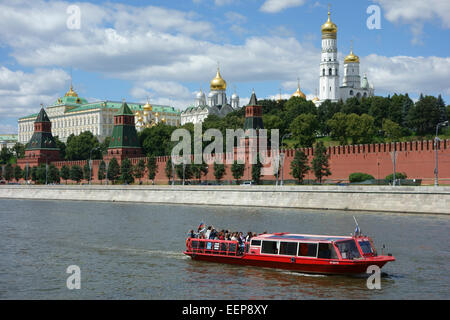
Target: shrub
column 398, row 175
column 360, row 177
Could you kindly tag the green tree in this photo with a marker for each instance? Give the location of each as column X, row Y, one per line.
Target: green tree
column 379, row 109
column 9, row 172
column 304, row 129
column 169, row 170
column 62, row 147
column 219, row 171
column 87, row 174
column 237, row 170
column 360, row 129
column 155, row 141
column 152, row 168
column 18, row 173
column 199, row 169
column 184, row 171
column 80, row 147
column 126, row 170
column 33, row 174
column 424, row 116
column 139, row 169
column 42, row 174
column 442, row 109
column 320, row 165
column 299, row 166
column 19, row 150
column 76, row 173
column 65, row 172
column 338, row 127
column 113, row 172
column 392, row 130
column 5, row 156
column 101, row 173
column 1, row 172
column 53, row 174
column 256, row 170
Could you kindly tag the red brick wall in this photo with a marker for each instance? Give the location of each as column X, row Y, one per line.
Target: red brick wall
column 416, row 159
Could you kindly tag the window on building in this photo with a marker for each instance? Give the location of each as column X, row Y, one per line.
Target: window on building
column 351, row 92
column 330, row 72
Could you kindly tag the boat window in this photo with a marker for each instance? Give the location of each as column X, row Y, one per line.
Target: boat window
column 256, row 242
column 288, row 248
column 194, row 244
column 348, row 249
column 326, row 251
column 365, row 247
column 232, row 247
column 269, row 247
column 307, row 249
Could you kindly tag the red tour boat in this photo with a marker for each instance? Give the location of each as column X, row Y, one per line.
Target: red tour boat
column 297, row 252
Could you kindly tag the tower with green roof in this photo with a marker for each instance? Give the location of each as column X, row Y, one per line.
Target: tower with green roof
column 42, row 146
column 124, row 141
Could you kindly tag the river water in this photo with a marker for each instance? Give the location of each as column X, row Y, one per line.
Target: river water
column 134, row 251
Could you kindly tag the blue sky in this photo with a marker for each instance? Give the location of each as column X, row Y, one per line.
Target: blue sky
column 167, row 50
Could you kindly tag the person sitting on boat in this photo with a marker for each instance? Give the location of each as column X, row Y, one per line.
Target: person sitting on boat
column 234, row 237
column 248, row 237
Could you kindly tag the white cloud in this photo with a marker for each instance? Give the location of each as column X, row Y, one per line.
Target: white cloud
column 21, row 93
column 275, row 6
column 402, row 74
column 416, row 13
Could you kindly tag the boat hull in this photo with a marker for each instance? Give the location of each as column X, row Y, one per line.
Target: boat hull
column 317, row 266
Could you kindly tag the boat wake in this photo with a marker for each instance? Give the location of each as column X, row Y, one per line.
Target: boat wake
column 135, row 251
column 301, row 274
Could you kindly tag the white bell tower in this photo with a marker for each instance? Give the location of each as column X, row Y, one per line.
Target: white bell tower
column 329, row 65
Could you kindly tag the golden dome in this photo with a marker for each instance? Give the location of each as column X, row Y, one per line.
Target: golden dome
column 218, row 83
column 329, row 27
column 71, row 93
column 148, row 107
column 299, row 92
column 351, row 58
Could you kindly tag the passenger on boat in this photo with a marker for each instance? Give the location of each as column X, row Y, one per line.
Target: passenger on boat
column 213, row 235
column 191, row 234
column 208, row 232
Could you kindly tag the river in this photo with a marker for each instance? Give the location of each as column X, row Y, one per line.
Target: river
column 134, row 251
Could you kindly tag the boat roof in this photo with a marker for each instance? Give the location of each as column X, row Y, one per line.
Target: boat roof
column 304, row 237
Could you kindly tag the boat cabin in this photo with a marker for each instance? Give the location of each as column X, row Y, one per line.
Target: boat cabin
column 311, row 246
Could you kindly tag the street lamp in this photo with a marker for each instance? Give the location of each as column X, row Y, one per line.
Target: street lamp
column 287, row 135
column 436, row 140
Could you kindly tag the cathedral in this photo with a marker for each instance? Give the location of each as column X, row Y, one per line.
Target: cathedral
column 330, row 87
column 216, row 104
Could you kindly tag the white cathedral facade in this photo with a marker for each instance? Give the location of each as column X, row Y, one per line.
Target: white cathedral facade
column 215, row 104
column 330, row 87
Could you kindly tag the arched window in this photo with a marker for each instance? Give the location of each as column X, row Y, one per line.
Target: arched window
column 323, row 71
column 330, row 72
column 351, row 92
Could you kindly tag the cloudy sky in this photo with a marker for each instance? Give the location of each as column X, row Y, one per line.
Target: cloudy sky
column 167, row 50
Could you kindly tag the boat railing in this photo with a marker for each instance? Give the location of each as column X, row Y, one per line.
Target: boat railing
column 214, row 247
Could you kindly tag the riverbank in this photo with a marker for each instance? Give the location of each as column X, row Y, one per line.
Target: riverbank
column 354, row 198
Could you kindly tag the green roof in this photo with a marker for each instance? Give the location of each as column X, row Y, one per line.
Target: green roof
column 6, row 137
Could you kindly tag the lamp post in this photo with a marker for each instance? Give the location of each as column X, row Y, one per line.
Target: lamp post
column 436, row 140
column 287, row 135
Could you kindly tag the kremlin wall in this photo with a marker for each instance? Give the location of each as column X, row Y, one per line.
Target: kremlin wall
column 416, row 159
